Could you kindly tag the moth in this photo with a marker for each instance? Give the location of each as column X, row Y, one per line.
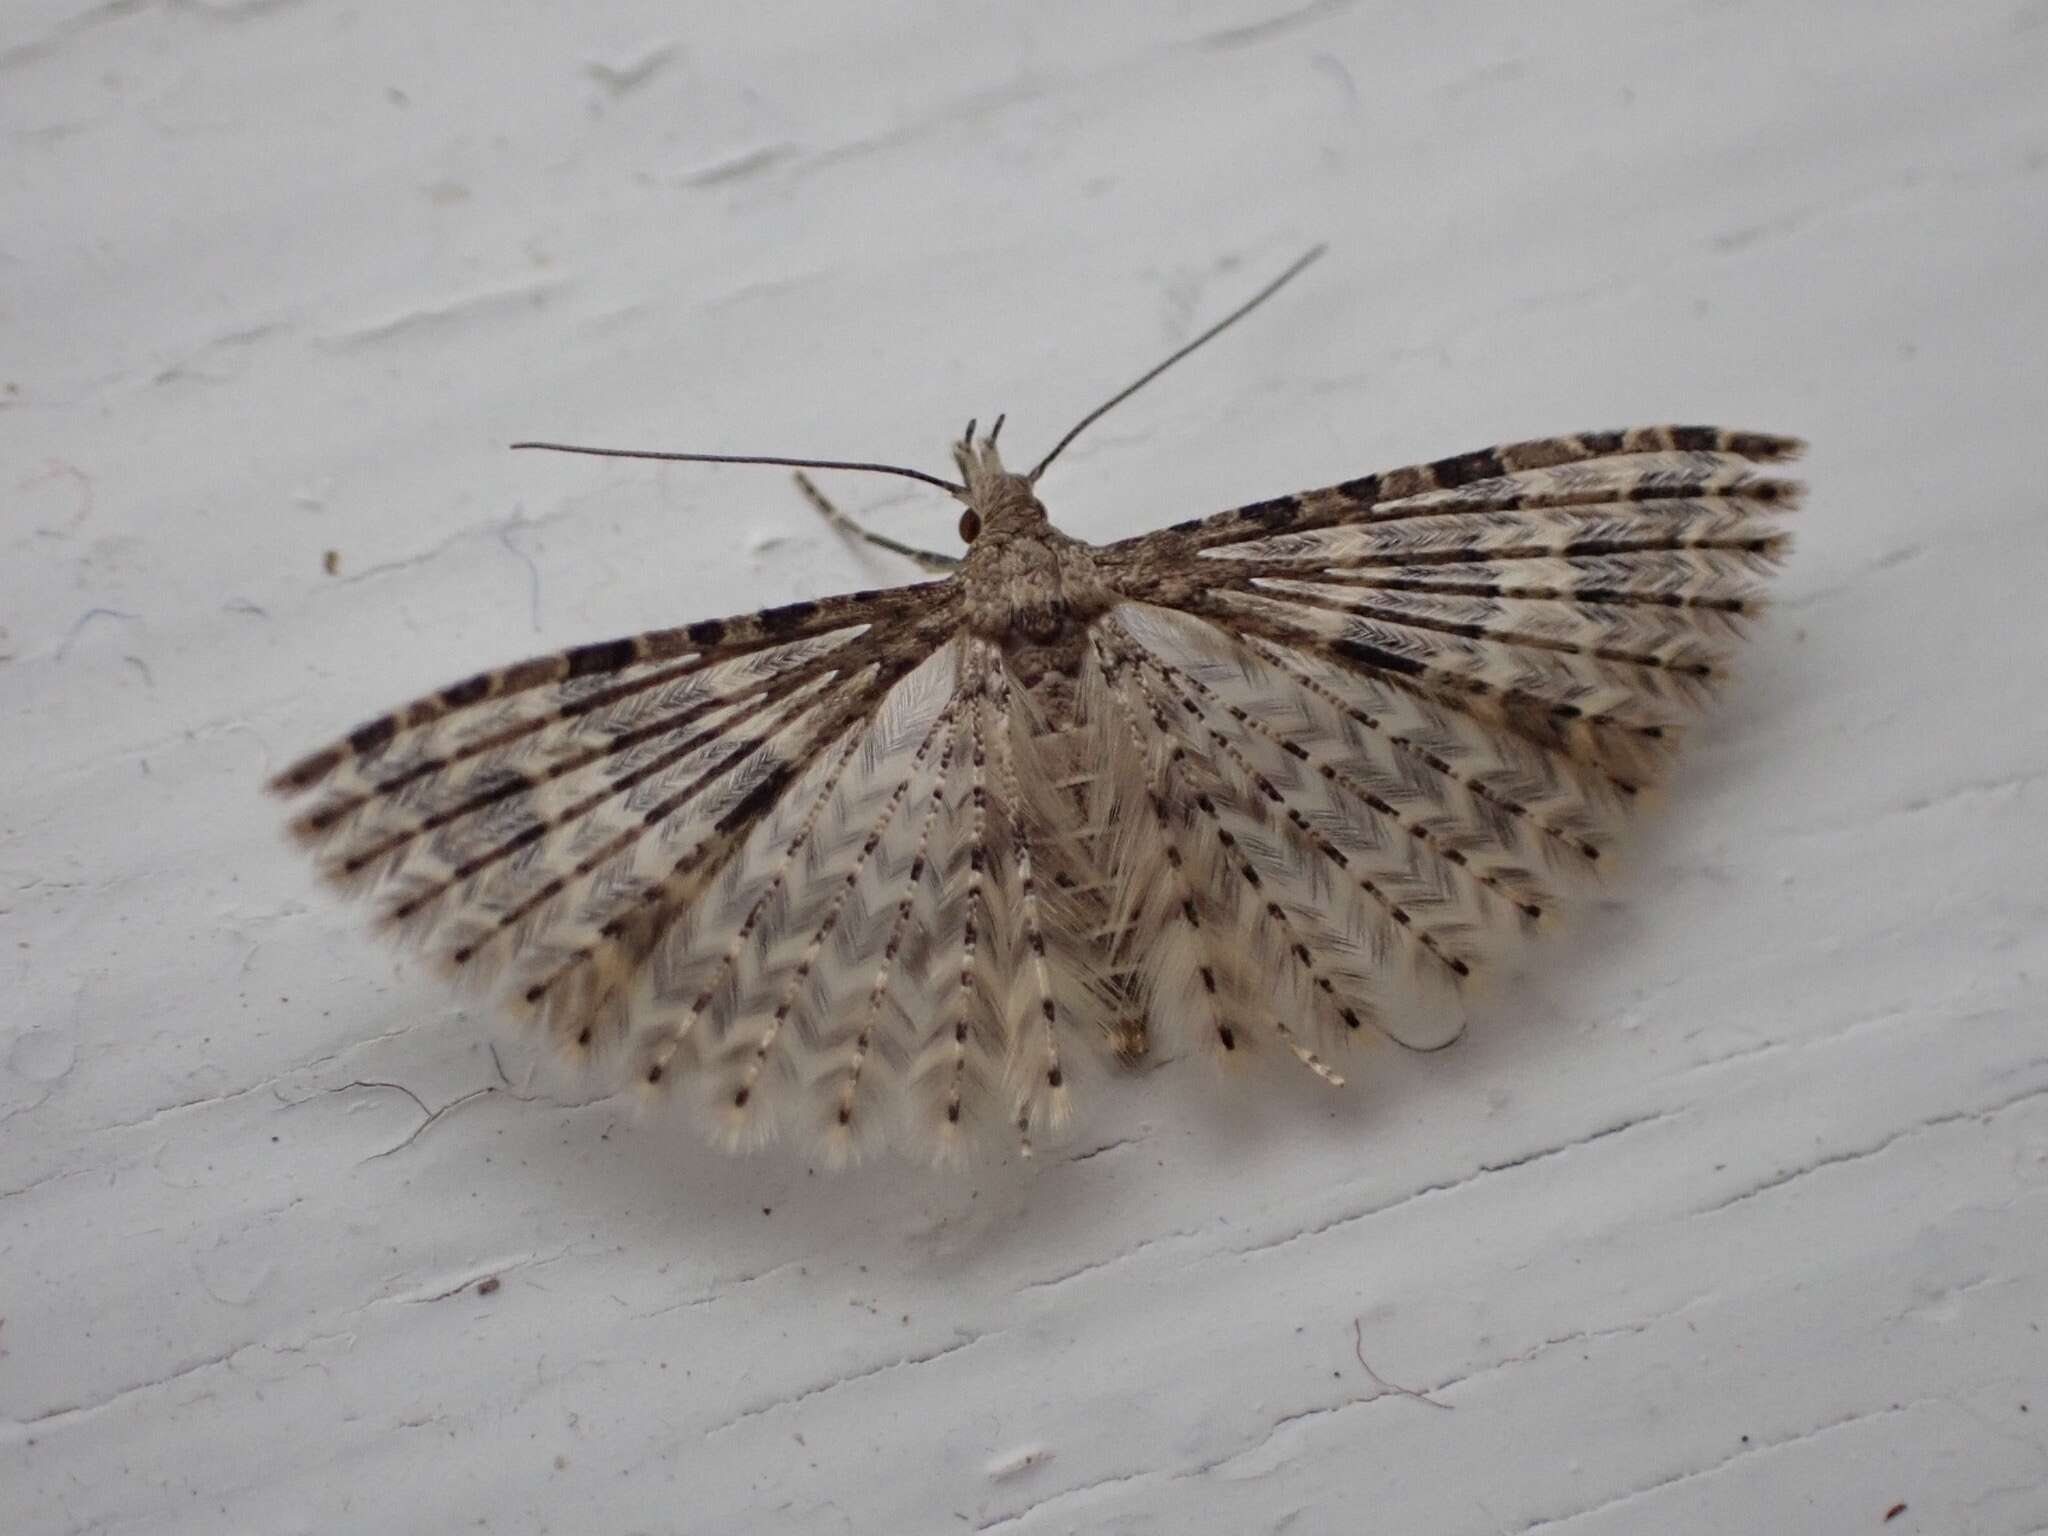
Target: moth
column 899, row 865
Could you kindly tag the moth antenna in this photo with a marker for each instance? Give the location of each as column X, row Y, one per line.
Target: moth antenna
column 753, row 458
column 1300, row 265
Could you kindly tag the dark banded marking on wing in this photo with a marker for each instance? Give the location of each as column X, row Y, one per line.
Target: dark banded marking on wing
column 1372, row 494
column 706, row 642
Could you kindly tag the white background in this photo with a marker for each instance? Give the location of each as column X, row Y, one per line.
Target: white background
column 1731, row 1216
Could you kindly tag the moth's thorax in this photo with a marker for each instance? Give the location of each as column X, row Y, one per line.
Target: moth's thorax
column 1027, row 585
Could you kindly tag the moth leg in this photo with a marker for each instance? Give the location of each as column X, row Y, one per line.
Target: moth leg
column 1128, row 1036
column 927, row 559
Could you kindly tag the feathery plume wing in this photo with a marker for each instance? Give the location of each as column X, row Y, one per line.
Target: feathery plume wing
column 550, row 819
column 1412, row 709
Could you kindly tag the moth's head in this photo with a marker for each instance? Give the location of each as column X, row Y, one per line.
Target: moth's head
column 997, row 501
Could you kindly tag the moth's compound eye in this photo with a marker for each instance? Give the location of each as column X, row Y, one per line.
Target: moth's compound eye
column 970, row 526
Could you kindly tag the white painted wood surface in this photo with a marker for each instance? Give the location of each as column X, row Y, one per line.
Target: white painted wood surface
column 1732, row 1216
